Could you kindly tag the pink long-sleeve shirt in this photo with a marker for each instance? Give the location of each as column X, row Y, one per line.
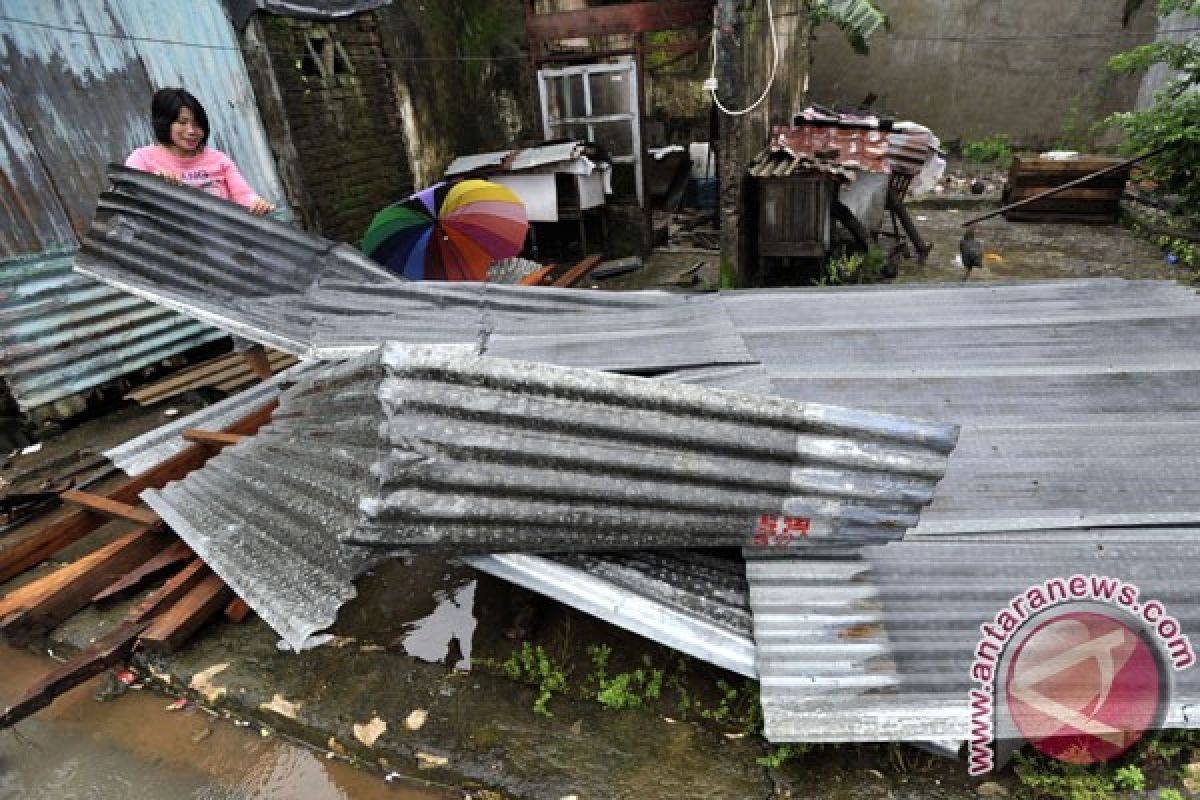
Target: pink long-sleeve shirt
column 209, row 170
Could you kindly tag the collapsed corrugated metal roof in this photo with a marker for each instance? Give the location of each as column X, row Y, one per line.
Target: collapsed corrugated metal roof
column 1078, row 402
column 240, row 11
column 423, row 446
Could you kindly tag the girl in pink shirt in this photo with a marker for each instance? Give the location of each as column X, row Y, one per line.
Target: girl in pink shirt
column 182, row 156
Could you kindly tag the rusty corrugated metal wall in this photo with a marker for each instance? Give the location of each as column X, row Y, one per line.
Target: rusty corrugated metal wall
column 75, row 84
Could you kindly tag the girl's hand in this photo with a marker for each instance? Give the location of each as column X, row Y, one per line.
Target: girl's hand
column 261, row 207
column 169, row 177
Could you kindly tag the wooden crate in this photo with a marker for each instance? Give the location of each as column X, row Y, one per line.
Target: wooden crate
column 1094, row 202
column 794, row 214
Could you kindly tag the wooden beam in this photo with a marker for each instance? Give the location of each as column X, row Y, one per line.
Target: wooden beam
column 237, row 610
column 168, row 560
column 40, row 546
column 537, row 277
column 170, row 592
column 46, row 602
column 212, row 437
column 624, row 18
column 111, row 648
column 578, row 272
column 108, row 507
column 172, row 628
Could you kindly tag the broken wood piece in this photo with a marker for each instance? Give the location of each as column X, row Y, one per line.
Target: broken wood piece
column 237, row 610
column 169, row 593
column 168, row 560
column 537, row 277
column 577, row 273
column 70, row 529
column 215, row 438
column 111, row 648
column 172, row 628
column 109, row 507
column 51, row 599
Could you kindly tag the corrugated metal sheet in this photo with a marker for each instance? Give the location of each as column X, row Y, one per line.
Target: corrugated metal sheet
column 61, row 333
column 499, row 456
column 241, row 10
column 75, row 84
column 350, row 441
column 697, row 607
column 288, row 289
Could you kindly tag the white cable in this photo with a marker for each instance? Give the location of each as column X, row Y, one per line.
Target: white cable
column 712, row 75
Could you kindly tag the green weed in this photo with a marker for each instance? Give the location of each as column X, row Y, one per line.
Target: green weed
column 995, row 149
column 531, row 665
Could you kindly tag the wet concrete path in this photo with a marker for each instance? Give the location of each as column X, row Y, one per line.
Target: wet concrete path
column 133, row 747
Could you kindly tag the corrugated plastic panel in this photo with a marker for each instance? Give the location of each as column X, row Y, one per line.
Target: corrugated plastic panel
column 61, row 333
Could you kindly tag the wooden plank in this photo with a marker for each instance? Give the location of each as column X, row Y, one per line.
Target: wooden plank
column 168, row 560
column 53, row 598
column 1110, row 195
column 40, row 546
column 170, row 592
column 237, row 610
column 537, row 277
column 111, row 648
column 172, row 628
column 182, row 381
column 109, row 507
column 578, row 272
column 214, row 438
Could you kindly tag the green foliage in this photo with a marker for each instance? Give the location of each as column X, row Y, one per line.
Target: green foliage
column 1169, row 794
column 1130, row 778
column 1048, row 778
column 858, row 19
column 531, row 665
column 995, row 149
column 781, row 755
column 1174, row 118
column 854, row 268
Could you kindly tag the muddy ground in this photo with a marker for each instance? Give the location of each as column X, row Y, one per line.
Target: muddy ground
column 395, row 694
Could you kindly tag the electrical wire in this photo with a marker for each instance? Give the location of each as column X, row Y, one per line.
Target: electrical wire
column 712, row 75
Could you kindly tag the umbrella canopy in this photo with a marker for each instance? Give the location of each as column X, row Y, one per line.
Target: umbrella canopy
column 450, row 231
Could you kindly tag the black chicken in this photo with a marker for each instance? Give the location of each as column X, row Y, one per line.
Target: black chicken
column 971, row 250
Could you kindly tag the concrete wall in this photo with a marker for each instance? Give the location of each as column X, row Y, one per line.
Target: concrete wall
column 971, row 68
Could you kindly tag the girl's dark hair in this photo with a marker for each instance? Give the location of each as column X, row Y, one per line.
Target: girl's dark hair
column 165, row 107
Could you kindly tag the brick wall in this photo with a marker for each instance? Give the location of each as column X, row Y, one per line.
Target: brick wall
column 344, row 120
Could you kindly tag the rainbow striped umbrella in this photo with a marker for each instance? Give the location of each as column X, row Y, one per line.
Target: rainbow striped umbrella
column 448, row 232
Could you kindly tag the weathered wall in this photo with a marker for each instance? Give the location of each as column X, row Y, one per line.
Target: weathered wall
column 972, row 68
column 462, row 78
column 345, row 124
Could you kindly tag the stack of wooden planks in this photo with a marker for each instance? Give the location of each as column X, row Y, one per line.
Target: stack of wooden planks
column 227, row 374
column 143, row 551
column 1096, row 201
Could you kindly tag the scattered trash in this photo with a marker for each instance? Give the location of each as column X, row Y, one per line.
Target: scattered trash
column 264, row 732
column 416, row 719
column 201, row 734
column 178, row 705
column 428, row 761
column 170, row 412
column 735, row 736
column 389, row 777
column 371, row 731
column 620, row 266
column 1172, row 258
column 955, row 211
column 993, row 257
column 922, row 218
column 33, row 448
column 335, row 748
column 128, row 678
column 241, row 723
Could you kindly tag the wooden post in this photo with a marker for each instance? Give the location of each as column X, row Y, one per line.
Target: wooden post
column 731, row 168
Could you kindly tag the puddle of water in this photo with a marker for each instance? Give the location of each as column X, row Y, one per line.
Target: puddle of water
column 445, row 635
column 132, row 747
